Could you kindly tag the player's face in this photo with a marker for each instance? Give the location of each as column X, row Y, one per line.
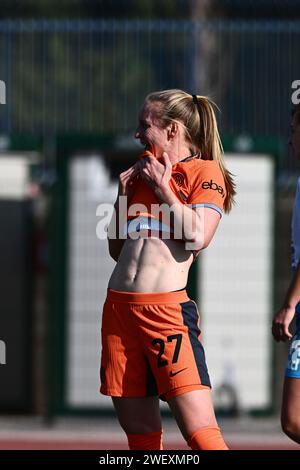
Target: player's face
column 294, row 140
column 149, row 132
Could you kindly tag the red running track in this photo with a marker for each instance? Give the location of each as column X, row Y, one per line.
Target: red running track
column 24, row 444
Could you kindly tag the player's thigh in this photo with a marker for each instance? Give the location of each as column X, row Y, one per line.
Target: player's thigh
column 290, row 410
column 138, row 415
column 193, row 410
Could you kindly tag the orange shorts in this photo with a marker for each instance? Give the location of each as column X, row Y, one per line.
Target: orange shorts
column 151, row 345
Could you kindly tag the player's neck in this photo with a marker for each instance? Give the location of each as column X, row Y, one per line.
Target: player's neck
column 180, row 153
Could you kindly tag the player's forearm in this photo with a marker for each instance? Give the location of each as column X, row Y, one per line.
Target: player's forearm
column 115, row 248
column 115, row 239
column 293, row 294
column 186, row 221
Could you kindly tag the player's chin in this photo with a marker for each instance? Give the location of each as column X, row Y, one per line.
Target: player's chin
column 159, row 154
column 154, row 151
column 151, row 149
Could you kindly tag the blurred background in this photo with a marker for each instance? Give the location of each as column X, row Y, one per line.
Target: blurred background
column 76, row 73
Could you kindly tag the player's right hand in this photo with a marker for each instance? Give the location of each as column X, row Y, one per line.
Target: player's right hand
column 126, row 180
column 281, row 323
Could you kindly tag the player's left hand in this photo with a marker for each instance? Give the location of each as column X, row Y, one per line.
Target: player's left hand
column 156, row 173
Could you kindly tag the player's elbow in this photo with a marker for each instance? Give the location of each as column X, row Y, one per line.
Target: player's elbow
column 291, row 427
column 195, row 243
column 113, row 254
column 207, row 238
column 202, row 240
column 114, row 249
column 206, row 242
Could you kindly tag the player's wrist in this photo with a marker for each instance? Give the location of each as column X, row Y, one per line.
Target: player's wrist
column 289, row 304
column 165, row 193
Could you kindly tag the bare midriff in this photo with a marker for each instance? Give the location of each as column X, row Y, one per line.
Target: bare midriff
column 151, row 265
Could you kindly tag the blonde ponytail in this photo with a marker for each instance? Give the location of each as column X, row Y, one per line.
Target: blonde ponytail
column 211, row 145
column 197, row 115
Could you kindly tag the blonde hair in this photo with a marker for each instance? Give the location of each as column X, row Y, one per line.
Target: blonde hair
column 197, row 115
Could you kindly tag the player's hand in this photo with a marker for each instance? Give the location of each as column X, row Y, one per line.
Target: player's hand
column 126, row 180
column 156, row 173
column 281, row 323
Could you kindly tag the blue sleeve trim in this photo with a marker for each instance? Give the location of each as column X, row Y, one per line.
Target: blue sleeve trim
column 211, row 206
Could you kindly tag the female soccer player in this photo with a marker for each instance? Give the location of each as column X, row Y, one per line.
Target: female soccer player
column 290, row 411
column 150, row 331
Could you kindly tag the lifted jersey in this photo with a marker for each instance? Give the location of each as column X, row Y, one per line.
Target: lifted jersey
column 194, row 182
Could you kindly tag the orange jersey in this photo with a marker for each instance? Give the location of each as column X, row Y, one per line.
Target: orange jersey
column 195, row 182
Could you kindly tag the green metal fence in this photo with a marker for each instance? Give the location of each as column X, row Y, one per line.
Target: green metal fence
column 92, row 76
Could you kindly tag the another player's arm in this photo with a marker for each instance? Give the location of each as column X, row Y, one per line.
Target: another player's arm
column 283, row 318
